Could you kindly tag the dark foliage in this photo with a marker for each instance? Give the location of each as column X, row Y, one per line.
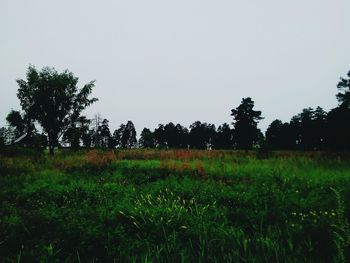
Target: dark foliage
column 344, row 95
column 147, row 139
column 125, row 136
column 245, row 123
column 338, row 129
column 224, row 137
column 54, row 100
column 77, row 132
column 202, row 135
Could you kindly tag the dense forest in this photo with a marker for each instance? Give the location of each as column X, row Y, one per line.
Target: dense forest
column 51, row 117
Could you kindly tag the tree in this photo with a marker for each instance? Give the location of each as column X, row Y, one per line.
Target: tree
column 104, row 134
column 175, row 136
column 245, row 124
column 130, row 134
column 15, row 120
column 125, row 136
column 77, row 132
column 224, row 137
column 147, row 139
column 281, row 136
column 3, row 131
column 182, row 136
column 87, row 138
column 344, row 95
column 338, row 129
column 22, row 127
column 202, row 135
column 54, row 100
column 274, row 136
column 308, row 129
column 171, row 136
column 118, row 136
column 319, row 126
column 160, row 136
column 337, row 120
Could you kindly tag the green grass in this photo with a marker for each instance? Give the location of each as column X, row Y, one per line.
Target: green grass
column 174, row 206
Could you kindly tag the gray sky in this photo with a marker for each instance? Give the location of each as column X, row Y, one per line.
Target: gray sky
column 157, row 61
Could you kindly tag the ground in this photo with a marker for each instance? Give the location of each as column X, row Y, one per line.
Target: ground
column 174, row 206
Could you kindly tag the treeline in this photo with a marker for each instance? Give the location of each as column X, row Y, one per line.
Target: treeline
column 312, row 129
column 52, row 101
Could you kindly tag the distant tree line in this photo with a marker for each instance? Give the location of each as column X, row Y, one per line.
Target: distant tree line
column 243, row 135
column 315, row 129
column 53, row 102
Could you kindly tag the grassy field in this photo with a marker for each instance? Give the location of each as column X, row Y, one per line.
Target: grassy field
column 174, row 206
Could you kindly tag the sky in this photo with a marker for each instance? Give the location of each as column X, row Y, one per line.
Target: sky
column 158, row 61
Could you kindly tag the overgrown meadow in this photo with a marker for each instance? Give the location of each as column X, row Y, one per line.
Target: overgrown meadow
column 174, row 206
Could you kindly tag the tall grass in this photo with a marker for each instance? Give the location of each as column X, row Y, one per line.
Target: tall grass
column 174, row 206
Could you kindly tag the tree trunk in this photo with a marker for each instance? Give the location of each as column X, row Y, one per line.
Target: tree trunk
column 51, row 144
column 51, row 150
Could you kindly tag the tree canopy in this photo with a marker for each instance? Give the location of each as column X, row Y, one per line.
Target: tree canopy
column 344, row 91
column 125, row 136
column 54, row 100
column 245, row 123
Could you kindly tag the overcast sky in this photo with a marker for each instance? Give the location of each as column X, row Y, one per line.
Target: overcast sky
column 156, row 61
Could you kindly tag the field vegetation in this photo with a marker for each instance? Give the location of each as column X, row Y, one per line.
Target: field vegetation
column 176, row 194
column 174, row 206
